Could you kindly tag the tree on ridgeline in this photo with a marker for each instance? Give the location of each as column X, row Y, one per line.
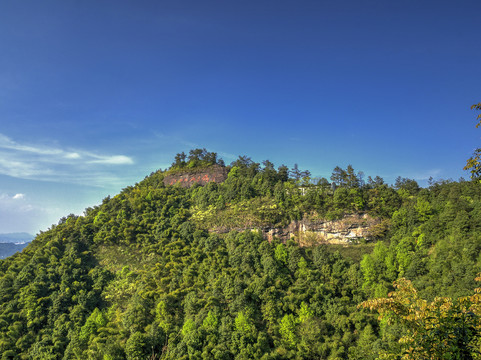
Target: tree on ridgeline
column 196, row 158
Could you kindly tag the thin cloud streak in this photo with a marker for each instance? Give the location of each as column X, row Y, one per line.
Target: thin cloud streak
column 56, row 164
column 112, row 160
column 15, row 203
column 7, row 143
column 60, row 155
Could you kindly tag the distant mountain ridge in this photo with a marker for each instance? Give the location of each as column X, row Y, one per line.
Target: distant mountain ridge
column 20, row 237
column 8, row 249
column 10, row 243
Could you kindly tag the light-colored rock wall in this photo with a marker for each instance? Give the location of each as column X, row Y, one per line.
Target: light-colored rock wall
column 347, row 230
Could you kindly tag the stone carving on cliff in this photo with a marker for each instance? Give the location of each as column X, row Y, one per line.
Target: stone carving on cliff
column 187, row 178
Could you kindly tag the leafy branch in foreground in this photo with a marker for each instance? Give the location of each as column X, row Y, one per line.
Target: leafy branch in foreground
column 477, row 107
column 474, row 162
column 442, row 329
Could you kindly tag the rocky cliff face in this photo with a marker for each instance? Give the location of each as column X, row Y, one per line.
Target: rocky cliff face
column 187, row 178
column 347, row 230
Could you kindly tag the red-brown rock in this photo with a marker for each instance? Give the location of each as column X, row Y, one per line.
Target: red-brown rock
column 187, row 178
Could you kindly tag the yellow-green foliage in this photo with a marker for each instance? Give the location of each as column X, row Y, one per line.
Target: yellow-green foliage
column 257, row 212
column 444, row 328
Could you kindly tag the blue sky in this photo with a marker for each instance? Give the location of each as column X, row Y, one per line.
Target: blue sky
column 95, row 95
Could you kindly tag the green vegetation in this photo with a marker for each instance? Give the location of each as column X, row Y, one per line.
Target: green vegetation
column 143, row 276
column 474, row 162
column 441, row 329
column 198, row 158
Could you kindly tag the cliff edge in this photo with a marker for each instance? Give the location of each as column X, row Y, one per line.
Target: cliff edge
column 188, row 177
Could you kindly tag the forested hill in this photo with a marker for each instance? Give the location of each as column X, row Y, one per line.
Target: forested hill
column 142, row 276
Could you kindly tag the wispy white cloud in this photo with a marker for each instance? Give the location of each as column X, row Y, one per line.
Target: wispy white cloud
column 73, row 155
column 39, row 162
column 7, row 143
column 112, row 160
column 15, row 203
column 17, row 213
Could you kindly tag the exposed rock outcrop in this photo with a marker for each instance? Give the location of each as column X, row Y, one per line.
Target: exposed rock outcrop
column 347, row 230
column 187, row 178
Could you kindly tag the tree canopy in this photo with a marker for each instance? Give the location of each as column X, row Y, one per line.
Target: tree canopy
column 166, row 272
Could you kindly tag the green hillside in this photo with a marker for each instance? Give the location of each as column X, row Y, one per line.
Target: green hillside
column 144, row 276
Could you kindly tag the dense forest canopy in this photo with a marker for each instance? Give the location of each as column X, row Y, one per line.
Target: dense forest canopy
column 143, row 276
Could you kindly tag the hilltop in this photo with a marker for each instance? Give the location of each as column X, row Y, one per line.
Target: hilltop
column 174, row 272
